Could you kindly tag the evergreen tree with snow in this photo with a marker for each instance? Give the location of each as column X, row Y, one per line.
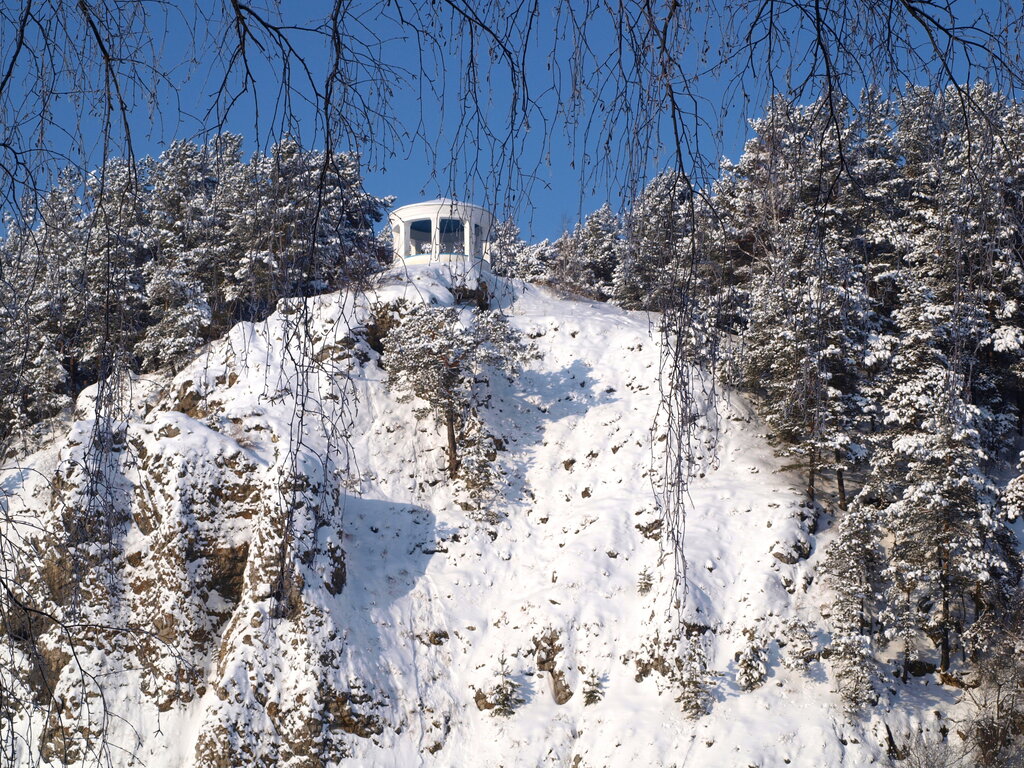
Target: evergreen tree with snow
column 806, row 323
column 938, row 504
column 587, row 257
column 593, row 689
column 35, row 381
column 695, row 679
column 752, row 661
column 184, row 227
column 852, row 568
column 439, row 355
column 655, row 231
column 111, row 311
column 507, row 693
column 303, row 223
column 950, row 559
column 1012, row 497
column 510, row 256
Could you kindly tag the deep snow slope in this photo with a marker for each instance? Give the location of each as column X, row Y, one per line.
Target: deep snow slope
column 380, row 637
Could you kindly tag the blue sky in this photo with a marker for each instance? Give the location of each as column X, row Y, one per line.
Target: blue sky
column 554, row 174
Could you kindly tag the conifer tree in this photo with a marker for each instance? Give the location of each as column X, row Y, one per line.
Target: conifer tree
column 654, row 233
column 949, row 561
column 437, row 354
column 588, row 256
column 507, row 693
column 751, row 661
column 110, row 311
column 695, row 680
column 510, row 256
column 853, row 570
column 593, row 690
column 806, row 322
column 184, row 230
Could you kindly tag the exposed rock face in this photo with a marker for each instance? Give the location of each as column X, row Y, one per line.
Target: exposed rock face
column 196, row 533
column 547, row 648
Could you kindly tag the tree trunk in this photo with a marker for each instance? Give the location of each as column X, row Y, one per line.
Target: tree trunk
column 841, row 483
column 812, row 465
column 453, row 455
column 944, row 642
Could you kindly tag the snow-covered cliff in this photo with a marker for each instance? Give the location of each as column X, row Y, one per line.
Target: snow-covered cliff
column 268, row 565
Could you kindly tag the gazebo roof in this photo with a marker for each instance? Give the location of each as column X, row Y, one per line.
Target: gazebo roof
column 441, row 204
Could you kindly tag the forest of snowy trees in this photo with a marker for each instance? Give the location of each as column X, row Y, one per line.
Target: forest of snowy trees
column 859, row 268
column 137, row 265
column 864, row 280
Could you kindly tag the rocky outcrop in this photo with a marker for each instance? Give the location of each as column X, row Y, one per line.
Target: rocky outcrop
column 547, row 648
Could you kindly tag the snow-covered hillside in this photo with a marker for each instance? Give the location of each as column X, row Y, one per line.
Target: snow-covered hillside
column 380, row 640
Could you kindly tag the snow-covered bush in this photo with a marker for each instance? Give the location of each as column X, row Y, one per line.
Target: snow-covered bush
column 751, row 661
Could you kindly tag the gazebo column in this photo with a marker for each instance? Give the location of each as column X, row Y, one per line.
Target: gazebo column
column 405, row 235
column 467, row 237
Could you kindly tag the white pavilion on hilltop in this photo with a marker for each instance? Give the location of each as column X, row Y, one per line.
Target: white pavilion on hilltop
column 438, row 230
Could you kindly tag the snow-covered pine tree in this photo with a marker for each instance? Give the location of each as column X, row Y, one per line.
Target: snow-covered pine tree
column 752, row 661
column 797, row 645
column 593, row 689
column 873, row 208
column 989, row 213
column 304, row 224
column 852, row 568
column 233, row 195
column 803, row 346
column 270, row 223
column 806, row 323
column 654, row 231
column 35, row 383
column 342, row 217
column 536, row 259
column 948, row 561
column 695, row 680
column 587, row 257
column 505, row 249
column 110, row 312
column 600, row 246
column 184, row 229
column 1012, row 497
column 876, row 196
column 510, row 256
column 59, row 242
column 507, row 693
column 439, row 354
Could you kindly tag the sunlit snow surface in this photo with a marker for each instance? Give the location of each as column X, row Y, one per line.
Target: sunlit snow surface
column 581, row 463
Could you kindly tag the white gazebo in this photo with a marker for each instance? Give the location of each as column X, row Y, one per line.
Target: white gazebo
column 440, row 229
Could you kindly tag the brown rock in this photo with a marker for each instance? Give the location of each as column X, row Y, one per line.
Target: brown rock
column 548, row 647
column 482, row 702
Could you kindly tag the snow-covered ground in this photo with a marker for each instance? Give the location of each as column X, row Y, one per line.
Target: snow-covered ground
column 434, row 596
